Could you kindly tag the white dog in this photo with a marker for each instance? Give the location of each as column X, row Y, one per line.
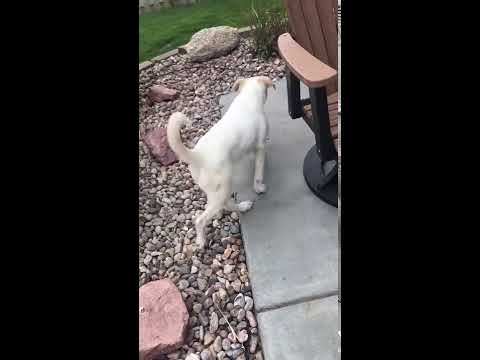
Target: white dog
column 242, row 130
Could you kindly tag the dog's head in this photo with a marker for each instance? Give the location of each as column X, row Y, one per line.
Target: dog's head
column 263, row 82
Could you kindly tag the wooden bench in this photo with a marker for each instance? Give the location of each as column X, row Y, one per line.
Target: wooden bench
column 311, row 54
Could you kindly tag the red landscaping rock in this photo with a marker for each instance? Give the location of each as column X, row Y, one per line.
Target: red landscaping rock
column 163, row 319
column 157, row 142
column 159, row 93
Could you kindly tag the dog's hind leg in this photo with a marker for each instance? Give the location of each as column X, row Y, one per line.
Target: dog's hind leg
column 258, row 184
column 214, row 205
column 216, row 198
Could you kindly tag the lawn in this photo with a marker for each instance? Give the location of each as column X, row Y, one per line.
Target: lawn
column 167, row 29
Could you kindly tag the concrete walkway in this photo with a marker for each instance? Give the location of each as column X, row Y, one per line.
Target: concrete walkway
column 291, row 241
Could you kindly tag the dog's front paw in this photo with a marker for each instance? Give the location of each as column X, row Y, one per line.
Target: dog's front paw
column 259, row 188
column 245, row 206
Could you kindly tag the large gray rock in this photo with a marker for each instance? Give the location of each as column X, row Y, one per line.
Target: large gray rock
column 211, row 43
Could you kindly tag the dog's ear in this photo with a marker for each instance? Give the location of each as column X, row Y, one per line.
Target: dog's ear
column 238, row 84
column 267, row 81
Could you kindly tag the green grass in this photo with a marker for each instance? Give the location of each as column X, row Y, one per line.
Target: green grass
column 167, row 29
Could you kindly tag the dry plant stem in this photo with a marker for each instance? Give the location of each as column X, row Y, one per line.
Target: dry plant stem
column 231, row 328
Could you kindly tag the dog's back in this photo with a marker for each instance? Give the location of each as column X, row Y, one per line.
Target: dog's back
column 239, row 128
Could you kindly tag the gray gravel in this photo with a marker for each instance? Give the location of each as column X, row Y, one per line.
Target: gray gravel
column 216, row 277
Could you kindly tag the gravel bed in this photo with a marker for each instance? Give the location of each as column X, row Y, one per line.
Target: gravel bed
column 213, row 281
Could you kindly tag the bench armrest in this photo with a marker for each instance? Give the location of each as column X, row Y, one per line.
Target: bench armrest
column 310, row 70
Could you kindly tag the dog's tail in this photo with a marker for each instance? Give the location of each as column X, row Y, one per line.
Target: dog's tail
column 175, row 123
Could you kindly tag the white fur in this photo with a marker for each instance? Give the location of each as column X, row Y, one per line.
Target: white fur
column 242, row 130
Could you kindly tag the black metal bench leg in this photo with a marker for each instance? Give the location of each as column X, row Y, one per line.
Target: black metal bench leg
column 320, row 167
column 293, row 90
